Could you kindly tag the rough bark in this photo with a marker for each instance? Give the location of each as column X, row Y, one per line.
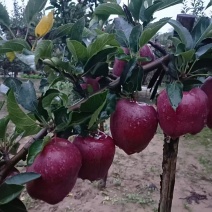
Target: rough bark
column 170, row 150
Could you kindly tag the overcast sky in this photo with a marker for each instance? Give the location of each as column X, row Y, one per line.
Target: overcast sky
column 169, row 12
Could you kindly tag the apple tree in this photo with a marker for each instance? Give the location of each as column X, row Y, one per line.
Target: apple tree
column 99, row 76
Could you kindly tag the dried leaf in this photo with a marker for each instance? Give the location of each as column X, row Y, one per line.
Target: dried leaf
column 45, row 25
column 10, row 56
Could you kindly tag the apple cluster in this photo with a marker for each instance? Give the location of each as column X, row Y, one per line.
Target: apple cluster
column 132, row 126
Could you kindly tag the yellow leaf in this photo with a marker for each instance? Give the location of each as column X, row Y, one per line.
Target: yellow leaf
column 45, row 25
column 10, row 56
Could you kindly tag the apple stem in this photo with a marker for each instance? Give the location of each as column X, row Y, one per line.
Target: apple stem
column 170, row 151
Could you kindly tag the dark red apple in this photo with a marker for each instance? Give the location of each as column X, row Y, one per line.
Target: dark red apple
column 97, row 155
column 58, row 164
column 119, row 65
column 189, row 117
column 89, row 81
column 145, row 51
column 133, row 125
column 207, row 88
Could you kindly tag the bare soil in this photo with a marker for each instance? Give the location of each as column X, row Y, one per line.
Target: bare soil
column 134, row 181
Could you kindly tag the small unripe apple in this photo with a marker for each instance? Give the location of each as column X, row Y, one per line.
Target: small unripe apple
column 89, row 81
column 119, row 65
column 59, row 164
column 97, row 152
column 133, row 125
column 189, row 117
column 207, row 88
column 146, row 51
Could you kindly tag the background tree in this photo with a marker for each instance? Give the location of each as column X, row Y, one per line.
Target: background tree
column 193, row 7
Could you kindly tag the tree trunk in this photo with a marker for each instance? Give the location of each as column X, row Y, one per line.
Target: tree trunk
column 170, row 150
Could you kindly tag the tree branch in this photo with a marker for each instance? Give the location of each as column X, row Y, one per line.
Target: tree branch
column 23, row 152
column 20, row 155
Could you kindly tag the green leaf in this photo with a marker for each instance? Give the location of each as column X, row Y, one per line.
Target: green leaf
column 14, row 205
column 175, row 41
column 121, row 38
column 133, row 78
column 204, row 49
column 151, row 30
column 9, row 192
column 21, row 90
column 22, row 178
column 19, row 118
column 27, row 90
column 95, row 115
column 169, row 3
column 175, row 93
column 15, row 45
column 77, row 30
column 188, row 55
column 93, row 102
column 205, row 34
column 128, row 70
column 3, row 126
column 61, row 31
column 100, row 42
column 4, row 17
column 78, row 50
column 43, row 50
column 62, row 119
column 199, row 29
column 53, row 100
column 13, row 84
column 33, row 8
column 34, row 150
column 183, row 33
column 107, row 9
column 134, row 38
column 134, row 7
column 146, row 14
column 209, row 4
column 123, row 25
column 98, row 58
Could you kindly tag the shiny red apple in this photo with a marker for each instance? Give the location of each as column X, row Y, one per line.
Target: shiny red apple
column 133, row 125
column 97, row 152
column 189, row 117
column 59, row 164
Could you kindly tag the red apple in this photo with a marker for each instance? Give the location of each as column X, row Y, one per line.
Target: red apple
column 119, row 65
column 97, row 155
column 58, row 164
column 207, row 88
column 89, row 81
column 146, row 51
column 189, row 117
column 133, row 125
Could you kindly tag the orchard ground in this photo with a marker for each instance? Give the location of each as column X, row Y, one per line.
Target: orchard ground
column 134, row 181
